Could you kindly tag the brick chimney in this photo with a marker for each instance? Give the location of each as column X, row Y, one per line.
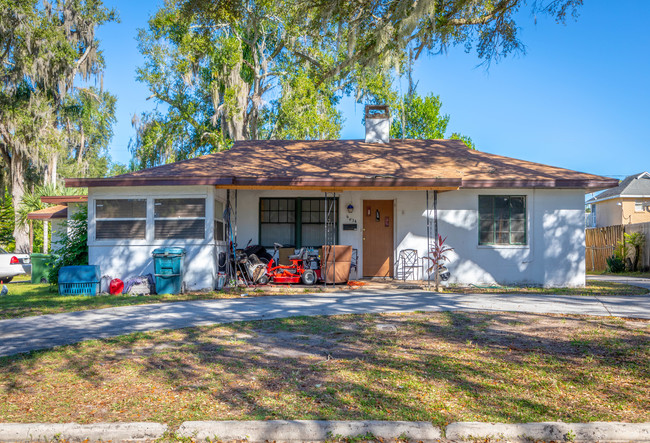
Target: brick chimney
column 377, row 124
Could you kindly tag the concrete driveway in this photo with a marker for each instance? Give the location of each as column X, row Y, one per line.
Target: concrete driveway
column 31, row 333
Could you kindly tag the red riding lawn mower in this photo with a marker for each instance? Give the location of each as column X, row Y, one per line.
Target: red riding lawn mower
column 304, row 268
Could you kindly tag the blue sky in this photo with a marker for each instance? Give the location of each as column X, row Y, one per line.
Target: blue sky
column 579, row 98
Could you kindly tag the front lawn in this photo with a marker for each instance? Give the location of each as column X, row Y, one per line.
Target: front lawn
column 593, row 288
column 437, row 367
column 25, row 299
column 638, row 274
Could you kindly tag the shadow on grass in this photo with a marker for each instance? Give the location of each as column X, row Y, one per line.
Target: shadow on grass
column 432, row 367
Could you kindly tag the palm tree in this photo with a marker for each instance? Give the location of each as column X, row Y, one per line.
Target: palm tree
column 32, row 202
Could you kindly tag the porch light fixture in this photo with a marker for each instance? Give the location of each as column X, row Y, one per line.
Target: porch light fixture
column 350, row 208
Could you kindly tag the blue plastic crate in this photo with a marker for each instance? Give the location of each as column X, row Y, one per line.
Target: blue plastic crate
column 78, row 288
column 79, row 280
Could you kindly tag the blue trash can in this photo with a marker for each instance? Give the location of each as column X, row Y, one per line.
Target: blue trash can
column 168, row 269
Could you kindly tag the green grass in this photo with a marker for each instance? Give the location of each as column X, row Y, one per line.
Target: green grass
column 622, row 274
column 592, row 288
column 25, row 299
column 437, row 367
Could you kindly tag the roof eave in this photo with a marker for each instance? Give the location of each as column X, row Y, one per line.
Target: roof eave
column 591, row 184
column 145, row 181
column 370, row 182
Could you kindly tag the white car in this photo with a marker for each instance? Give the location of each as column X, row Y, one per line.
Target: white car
column 12, row 265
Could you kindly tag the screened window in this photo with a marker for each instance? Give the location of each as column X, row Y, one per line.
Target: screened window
column 120, row 219
column 179, row 218
column 638, row 206
column 294, row 222
column 502, row 220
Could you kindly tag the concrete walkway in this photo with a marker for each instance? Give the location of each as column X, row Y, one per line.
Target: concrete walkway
column 31, row 333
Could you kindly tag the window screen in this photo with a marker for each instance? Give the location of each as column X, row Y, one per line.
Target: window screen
column 180, row 208
column 502, row 220
column 179, row 218
column 120, row 219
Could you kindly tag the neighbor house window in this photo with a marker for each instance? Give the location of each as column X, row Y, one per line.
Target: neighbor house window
column 120, row 219
column 179, row 218
column 219, row 225
column 502, row 219
column 638, row 206
column 295, row 222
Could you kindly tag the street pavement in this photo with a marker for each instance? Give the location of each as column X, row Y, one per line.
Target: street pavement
column 46, row 331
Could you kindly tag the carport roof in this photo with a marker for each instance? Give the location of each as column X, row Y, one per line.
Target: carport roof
column 349, row 164
column 50, row 213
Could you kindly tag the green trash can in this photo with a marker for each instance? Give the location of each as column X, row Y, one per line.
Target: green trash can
column 41, row 264
column 168, row 269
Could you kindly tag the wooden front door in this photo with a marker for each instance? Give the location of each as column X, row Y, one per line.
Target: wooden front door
column 378, row 238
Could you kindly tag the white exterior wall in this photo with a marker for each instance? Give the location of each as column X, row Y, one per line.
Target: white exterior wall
column 553, row 256
column 125, row 258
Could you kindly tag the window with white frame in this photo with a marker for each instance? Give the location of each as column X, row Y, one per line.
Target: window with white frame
column 639, row 206
column 179, row 218
column 120, row 219
column 219, row 225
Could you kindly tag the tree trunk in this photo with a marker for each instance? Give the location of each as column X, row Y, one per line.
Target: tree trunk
column 53, row 167
column 21, row 233
column 82, row 141
column 236, row 102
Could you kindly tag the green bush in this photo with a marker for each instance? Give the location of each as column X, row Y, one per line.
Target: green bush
column 615, row 264
column 73, row 250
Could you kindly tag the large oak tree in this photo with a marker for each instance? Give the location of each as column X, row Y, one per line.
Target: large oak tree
column 45, row 47
column 223, row 71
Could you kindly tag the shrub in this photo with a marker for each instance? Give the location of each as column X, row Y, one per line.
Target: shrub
column 615, row 264
column 636, row 240
column 73, row 250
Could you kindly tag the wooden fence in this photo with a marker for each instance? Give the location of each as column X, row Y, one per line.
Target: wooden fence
column 600, row 244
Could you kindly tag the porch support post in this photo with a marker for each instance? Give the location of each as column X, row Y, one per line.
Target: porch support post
column 31, row 236
column 428, row 240
column 435, row 233
column 236, row 208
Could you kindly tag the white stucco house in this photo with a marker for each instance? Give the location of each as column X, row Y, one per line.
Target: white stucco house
column 509, row 221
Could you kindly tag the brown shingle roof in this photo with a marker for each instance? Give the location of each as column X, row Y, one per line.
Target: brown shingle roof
column 356, row 163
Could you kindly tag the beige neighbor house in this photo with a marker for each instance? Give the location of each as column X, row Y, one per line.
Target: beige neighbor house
column 628, row 203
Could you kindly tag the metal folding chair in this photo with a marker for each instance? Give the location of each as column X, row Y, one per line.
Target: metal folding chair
column 408, row 264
